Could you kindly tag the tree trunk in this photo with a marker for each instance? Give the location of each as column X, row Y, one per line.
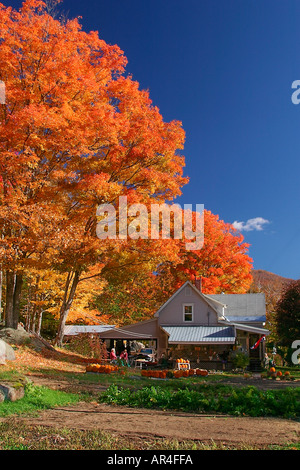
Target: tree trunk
column 17, row 299
column 1, row 284
column 28, row 309
column 70, row 289
column 9, row 307
column 35, row 308
column 13, row 294
column 39, row 322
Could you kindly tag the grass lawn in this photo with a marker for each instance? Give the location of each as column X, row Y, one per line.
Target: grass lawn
column 37, row 399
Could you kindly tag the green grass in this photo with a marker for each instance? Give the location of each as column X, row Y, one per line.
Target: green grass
column 37, row 399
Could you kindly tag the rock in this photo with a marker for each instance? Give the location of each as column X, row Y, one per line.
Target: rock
column 21, row 337
column 11, row 393
column 2, row 397
column 12, row 336
column 6, row 352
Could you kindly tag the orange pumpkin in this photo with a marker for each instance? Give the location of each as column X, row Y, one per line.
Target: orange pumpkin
column 272, row 369
column 279, row 373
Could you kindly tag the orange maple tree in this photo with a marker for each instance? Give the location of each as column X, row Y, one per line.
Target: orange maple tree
column 223, row 264
column 75, row 132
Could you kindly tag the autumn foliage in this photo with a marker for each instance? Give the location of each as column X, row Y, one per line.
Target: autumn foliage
column 76, row 131
column 222, row 264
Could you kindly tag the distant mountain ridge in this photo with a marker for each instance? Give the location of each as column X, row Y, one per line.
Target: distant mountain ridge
column 266, row 279
column 272, row 285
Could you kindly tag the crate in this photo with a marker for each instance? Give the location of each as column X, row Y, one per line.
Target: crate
column 183, row 365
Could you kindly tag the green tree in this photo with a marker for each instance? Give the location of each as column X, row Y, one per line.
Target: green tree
column 288, row 317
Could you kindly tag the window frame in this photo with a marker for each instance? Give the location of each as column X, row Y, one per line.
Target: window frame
column 186, row 313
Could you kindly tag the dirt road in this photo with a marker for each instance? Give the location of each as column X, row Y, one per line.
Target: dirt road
column 150, row 424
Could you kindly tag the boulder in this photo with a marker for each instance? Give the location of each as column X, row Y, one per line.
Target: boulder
column 11, row 393
column 21, row 337
column 15, row 336
column 6, row 352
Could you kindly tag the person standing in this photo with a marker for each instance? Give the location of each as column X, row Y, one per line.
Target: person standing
column 124, row 356
column 112, row 355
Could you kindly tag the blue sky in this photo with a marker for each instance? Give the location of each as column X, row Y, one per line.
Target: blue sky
column 225, row 69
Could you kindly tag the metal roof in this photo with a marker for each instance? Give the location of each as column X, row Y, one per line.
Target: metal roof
column 122, row 333
column 247, row 327
column 199, row 334
column 242, row 307
column 249, row 318
column 72, row 330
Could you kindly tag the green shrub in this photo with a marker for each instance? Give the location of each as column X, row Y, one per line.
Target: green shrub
column 240, row 360
column 223, row 399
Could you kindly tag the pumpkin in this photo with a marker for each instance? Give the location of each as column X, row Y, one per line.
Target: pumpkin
column 191, row 372
column 272, row 369
column 279, row 373
column 286, row 373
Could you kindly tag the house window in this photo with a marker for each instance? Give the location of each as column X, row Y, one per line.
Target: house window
column 188, row 312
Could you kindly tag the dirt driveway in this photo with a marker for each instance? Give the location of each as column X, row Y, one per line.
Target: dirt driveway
column 145, row 424
column 153, row 424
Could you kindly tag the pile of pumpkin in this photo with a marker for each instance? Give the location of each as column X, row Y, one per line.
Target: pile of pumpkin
column 158, row 374
column 272, row 372
column 162, row 374
column 101, row 369
column 190, row 372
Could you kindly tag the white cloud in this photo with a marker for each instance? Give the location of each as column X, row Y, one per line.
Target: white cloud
column 257, row 223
